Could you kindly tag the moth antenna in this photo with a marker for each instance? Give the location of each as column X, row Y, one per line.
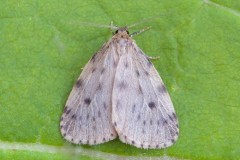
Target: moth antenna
column 140, row 31
column 98, row 25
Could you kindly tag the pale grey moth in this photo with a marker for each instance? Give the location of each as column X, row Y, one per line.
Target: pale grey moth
column 120, row 93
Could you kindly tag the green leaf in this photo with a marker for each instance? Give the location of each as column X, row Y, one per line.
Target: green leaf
column 44, row 45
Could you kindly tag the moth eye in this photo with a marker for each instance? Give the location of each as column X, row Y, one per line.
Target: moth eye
column 127, row 32
column 116, row 31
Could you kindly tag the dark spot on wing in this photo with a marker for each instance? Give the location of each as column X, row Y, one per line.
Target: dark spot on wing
column 61, row 118
column 104, row 105
column 158, row 122
column 104, row 139
column 112, row 135
column 93, row 119
column 146, row 73
column 64, row 135
column 79, row 83
column 140, row 89
column 161, row 88
column 72, row 139
column 142, row 145
column 87, row 101
column 87, row 116
column 99, row 87
column 74, row 116
column 94, row 142
column 133, row 108
column 93, row 70
column 103, row 70
column 133, row 142
column 115, row 124
column 137, row 73
column 80, row 141
column 65, row 109
column 151, row 105
column 165, row 122
column 170, row 117
column 122, row 85
column 68, row 111
column 172, row 132
column 144, row 122
column 174, row 115
column 177, row 133
column 126, row 65
column 157, row 146
column 138, row 117
column 172, row 140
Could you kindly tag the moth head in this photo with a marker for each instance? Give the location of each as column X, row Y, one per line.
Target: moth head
column 122, row 30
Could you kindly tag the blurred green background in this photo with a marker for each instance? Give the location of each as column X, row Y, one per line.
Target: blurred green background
column 44, row 45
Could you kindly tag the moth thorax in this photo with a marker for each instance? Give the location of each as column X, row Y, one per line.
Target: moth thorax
column 124, row 42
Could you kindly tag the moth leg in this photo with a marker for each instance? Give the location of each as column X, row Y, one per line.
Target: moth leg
column 153, row 58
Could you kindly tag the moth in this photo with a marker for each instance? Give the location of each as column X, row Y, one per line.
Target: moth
column 120, row 93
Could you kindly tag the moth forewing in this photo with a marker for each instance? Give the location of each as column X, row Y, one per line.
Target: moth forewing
column 87, row 115
column 142, row 113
